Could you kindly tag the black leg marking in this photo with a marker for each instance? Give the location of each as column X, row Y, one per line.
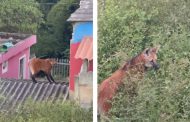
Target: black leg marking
column 33, row 79
column 52, row 78
column 48, row 77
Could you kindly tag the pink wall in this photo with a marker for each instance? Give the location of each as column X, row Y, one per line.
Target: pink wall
column 19, row 47
column 90, row 67
column 12, row 56
column 13, row 65
column 75, row 64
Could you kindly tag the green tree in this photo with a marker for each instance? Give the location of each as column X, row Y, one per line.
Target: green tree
column 46, row 5
column 54, row 37
column 20, row 16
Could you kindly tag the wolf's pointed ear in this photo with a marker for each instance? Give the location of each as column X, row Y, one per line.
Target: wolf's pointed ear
column 155, row 49
column 146, row 51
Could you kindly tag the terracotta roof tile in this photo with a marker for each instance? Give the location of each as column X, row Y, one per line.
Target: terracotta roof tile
column 85, row 49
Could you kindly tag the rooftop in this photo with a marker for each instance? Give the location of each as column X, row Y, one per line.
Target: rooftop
column 8, row 40
column 12, row 44
column 84, row 13
column 85, row 49
column 12, row 37
column 16, row 92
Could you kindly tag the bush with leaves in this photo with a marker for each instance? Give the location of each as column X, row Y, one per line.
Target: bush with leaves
column 125, row 29
column 21, row 16
column 54, row 36
column 48, row 112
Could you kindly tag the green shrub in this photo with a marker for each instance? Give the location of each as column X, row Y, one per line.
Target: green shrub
column 48, row 112
column 23, row 16
column 125, row 29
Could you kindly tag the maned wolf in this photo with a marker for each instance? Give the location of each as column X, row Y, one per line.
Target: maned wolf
column 37, row 65
column 139, row 64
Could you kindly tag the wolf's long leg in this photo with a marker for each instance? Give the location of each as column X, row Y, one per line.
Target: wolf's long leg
column 48, row 77
column 33, row 78
column 52, row 78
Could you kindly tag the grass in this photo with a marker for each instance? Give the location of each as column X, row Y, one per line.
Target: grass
column 47, row 112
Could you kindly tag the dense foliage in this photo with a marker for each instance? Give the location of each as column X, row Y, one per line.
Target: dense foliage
column 46, row 5
column 55, row 34
column 20, row 16
column 48, row 112
column 125, row 29
column 46, row 18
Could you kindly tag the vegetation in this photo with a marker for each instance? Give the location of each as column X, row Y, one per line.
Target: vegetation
column 46, row 5
column 48, row 20
column 125, row 29
column 48, row 112
column 55, row 34
column 20, row 16
column 45, row 18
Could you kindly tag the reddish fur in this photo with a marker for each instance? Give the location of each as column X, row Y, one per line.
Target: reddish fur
column 108, row 88
column 37, row 65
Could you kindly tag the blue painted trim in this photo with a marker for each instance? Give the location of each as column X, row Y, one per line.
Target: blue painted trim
column 81, row 29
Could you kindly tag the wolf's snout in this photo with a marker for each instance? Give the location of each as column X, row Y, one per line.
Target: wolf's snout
column 156, row 66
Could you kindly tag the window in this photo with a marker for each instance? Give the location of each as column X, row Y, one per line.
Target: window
column 5, row 67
